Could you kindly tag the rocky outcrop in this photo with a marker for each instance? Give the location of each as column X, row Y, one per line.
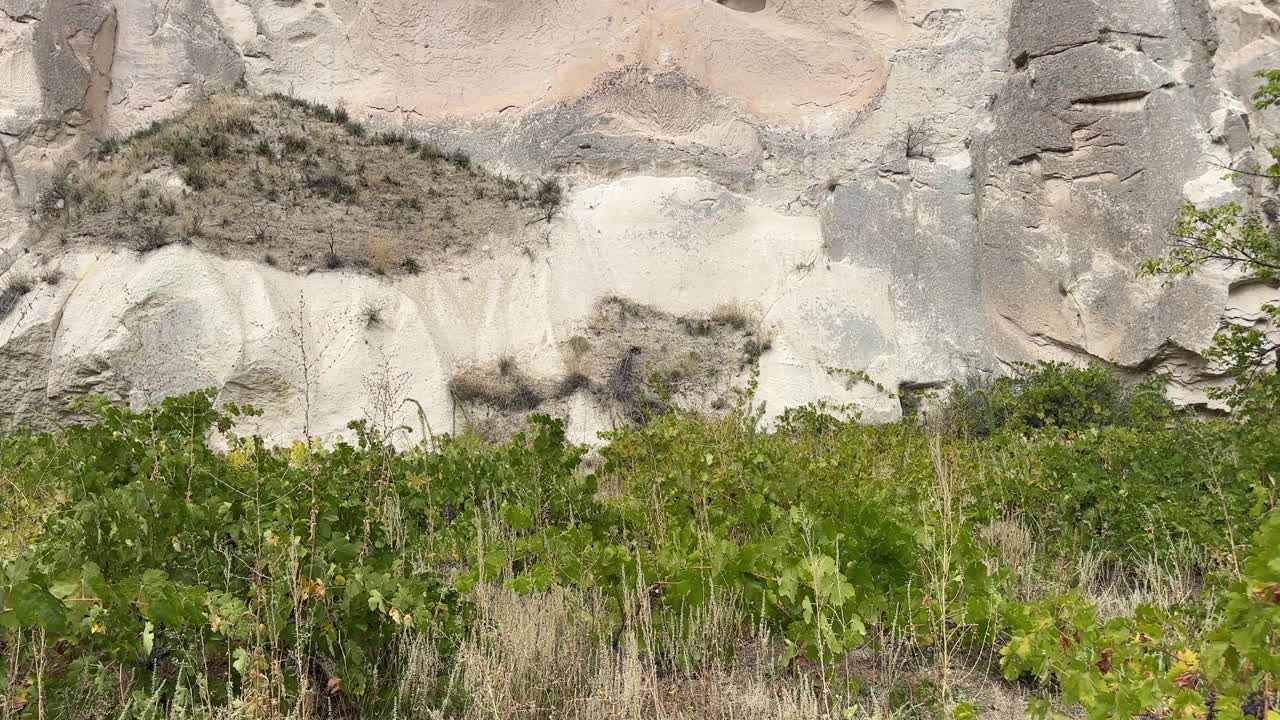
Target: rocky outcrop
column 77, row 70
column 304, row 348
column 911, row 189
column 1109, row 121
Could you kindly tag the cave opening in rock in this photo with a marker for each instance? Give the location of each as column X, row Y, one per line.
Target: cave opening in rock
column 750, row 6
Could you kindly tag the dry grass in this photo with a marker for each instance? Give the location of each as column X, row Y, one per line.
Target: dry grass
column 633, row 359
column 570, row 654
column 1163, row 581
column 737, row 315
column 740, row 317
column 1157, row 581
column 383, row 254
column 563, row 654
column 504, row 388
column 14, row 289
column 223, row 172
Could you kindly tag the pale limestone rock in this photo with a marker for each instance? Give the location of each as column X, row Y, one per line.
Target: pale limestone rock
column 745, row 151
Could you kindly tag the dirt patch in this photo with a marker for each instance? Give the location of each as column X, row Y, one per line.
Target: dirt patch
column 289, row 183
column 631, row 361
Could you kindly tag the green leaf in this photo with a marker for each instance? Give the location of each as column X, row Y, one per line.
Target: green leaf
column 517, row 517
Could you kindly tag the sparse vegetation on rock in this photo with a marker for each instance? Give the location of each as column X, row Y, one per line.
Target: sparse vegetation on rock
column 633, row 360
column 306, row 169
column 12, row 290
column 504, row 388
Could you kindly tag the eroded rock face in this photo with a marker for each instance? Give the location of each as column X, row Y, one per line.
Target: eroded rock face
column 1109, row 121
column 914, row 189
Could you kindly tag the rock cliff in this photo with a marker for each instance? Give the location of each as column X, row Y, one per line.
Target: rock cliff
column 852, row 192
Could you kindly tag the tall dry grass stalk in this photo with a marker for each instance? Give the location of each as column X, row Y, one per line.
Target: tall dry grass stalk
column 1159, row 580
column 944, row 496
column 963, row 668
column 565, row 654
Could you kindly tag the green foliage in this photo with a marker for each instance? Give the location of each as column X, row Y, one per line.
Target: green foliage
column 1269, row 94
column 1095, row 463
column 141, row 553
column 1156, row 664
column 205, row 143
column 166, row 553
column 1054, row 395
column 1231, row 236
column 1224, row 233
column 1252, row 358
column 106, row 147
column 822, row 532
column 1123, row 491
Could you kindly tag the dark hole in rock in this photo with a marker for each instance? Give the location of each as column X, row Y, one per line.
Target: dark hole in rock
column 744, row 5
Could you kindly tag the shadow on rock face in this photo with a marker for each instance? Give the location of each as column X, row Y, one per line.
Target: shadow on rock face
column 750, row 6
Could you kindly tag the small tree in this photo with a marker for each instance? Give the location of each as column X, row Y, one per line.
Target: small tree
column 549, row 198
column 915, row 140
column 1240, row 239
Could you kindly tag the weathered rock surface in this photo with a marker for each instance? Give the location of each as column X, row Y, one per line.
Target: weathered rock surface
column 917, row 189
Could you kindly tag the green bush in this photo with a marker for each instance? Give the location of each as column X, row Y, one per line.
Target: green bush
column 1157, row 663
column 1054, row 395
column 167, row 557
column 1093, row 463
column 141, row 553
column 1126, row 493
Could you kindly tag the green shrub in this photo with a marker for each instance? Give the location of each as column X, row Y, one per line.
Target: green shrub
column 549, row 197
column 205, row 143
column 152, row 236
column 432, row 151
column 389, row 137
column 196, row 176
column 460, row 158
column 170, row 558
column 1054, row 395
column 1127, row 494
column 1157, row 663
column 106, row 147
column 180, row 568
column 63, row 193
